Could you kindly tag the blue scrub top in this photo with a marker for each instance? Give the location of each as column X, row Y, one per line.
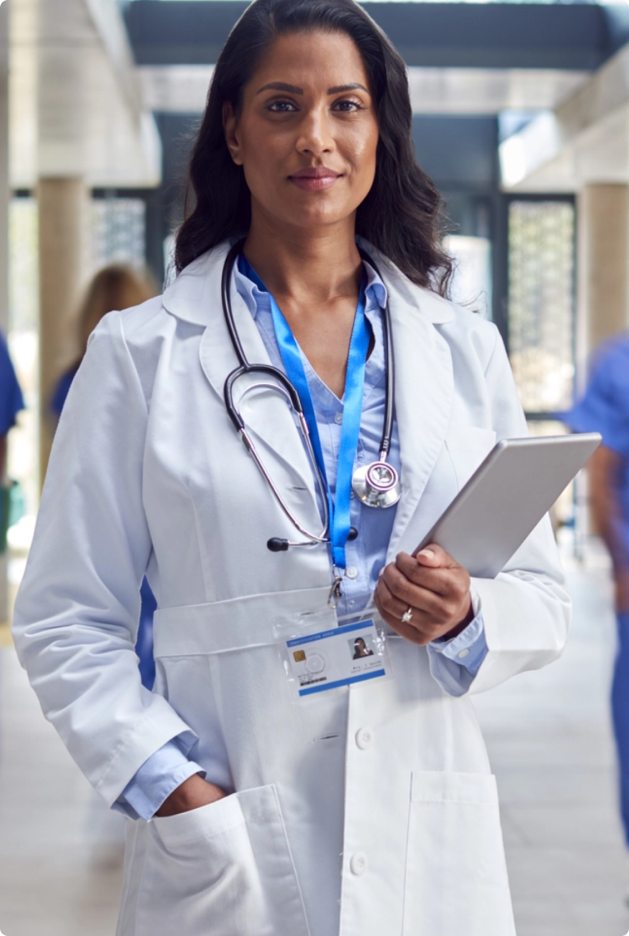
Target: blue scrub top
column 62, row 390
column 605, row 408
column 11, row 399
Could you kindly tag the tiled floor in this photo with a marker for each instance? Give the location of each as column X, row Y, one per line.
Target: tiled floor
column 549, row 738
column 60, row 848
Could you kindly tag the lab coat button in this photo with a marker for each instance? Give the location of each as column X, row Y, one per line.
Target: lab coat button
column 358, row 863
column 463, row 654
column 351, row 572
column 338, row 418
column 364, row 738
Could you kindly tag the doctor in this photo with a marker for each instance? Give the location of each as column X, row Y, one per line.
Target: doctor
column 364, row 809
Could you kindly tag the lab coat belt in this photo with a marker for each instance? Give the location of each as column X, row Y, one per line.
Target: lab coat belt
column 237, row 623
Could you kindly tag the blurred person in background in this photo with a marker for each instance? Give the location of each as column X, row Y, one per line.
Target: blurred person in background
column 113, row 288
column 604, row 408
column 11, row 403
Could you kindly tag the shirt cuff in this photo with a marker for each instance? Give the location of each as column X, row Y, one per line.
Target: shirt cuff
column 454, row 663
column 156, row 779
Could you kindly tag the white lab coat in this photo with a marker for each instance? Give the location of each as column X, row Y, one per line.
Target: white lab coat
column 363, row 812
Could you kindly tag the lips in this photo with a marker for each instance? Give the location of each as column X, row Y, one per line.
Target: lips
column 315, row 179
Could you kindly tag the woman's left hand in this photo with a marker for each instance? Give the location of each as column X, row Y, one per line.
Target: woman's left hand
column 433, row 587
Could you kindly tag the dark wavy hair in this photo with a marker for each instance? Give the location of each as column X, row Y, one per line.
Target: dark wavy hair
column 402, row 214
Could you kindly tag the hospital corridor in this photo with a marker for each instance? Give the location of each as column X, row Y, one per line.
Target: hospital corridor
column 385, row 245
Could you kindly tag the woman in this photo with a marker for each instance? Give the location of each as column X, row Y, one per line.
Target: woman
column 276, row 808
column 117, row 286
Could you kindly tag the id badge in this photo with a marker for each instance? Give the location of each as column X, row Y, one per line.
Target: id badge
column 320, row 660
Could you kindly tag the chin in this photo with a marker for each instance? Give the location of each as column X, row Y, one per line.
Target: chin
column 318, row 218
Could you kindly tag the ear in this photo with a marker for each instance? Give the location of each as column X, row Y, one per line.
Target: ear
column 230, row 126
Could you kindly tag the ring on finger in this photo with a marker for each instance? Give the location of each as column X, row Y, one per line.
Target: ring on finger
column 407, row 616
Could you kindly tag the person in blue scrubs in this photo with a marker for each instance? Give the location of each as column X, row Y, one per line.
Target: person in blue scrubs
column 605, row 408
column 11, row 399
column 11, row 403
column 115, row 287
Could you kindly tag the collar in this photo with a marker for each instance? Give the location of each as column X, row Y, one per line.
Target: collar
column 195, row 295
column 375, row 290
column 424, row 381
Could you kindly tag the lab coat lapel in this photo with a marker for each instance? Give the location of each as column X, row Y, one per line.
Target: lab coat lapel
column 423, row 392
column 423, row 380
column 196, row 297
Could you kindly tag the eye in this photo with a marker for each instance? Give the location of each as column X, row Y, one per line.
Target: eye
column 281, row 107
column 348, row 106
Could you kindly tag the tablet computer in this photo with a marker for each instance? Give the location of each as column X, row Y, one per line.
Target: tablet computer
column 506, row 497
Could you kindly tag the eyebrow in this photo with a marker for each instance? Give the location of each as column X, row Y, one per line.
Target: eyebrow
column 291, row 89
column 348, row 87
column 280, row 86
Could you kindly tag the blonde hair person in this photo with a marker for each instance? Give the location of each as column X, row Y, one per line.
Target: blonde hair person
column 117, row 286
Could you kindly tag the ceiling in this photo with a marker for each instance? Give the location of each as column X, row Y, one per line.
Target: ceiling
column 464, row 59
column 444, row 35
column 183, row 88
column 583, row 140
column 76, row 105
column 86, row 82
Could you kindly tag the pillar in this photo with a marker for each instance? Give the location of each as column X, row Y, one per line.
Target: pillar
column 63, row 228
column 603, row 293
column 603, row 213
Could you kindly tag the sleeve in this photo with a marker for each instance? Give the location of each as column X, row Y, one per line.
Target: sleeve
column 526, row 609
column 604, row 407
column 454, row 663
column 77, row 609
column 11, row 400
column 156, row 779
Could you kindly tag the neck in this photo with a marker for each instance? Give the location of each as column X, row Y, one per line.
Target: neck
column 305, row 265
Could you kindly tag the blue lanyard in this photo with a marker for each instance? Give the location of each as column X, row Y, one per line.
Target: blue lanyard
column 338, row 506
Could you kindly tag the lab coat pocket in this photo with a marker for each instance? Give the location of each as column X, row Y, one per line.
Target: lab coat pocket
column 221, row 870
column 456, row 874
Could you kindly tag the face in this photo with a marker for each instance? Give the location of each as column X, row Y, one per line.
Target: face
column 307, row 134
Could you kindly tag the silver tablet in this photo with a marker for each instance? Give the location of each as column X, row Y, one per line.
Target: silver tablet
column 506, row 497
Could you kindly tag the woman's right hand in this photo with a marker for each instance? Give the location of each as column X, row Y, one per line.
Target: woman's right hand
column 192, row 794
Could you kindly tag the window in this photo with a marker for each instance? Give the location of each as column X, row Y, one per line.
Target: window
column 541, row 302
column 118, row 232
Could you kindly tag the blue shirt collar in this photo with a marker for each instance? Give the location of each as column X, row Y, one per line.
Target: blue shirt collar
column 375, row 291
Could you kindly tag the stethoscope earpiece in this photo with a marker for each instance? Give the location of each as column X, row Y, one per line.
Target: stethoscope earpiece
column 275, row 544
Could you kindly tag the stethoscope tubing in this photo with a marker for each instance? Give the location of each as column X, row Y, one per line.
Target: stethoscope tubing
column 282, row 384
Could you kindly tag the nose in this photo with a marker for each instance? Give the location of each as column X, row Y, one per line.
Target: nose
column 315, row 137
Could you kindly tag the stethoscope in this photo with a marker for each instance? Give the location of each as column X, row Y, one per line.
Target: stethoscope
column 376, row 485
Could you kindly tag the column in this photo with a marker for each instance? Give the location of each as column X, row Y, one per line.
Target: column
column 603, row 291
column 603, row 213
column 63, row 228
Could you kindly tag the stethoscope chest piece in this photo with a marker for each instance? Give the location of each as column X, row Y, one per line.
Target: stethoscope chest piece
column 377, row 485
